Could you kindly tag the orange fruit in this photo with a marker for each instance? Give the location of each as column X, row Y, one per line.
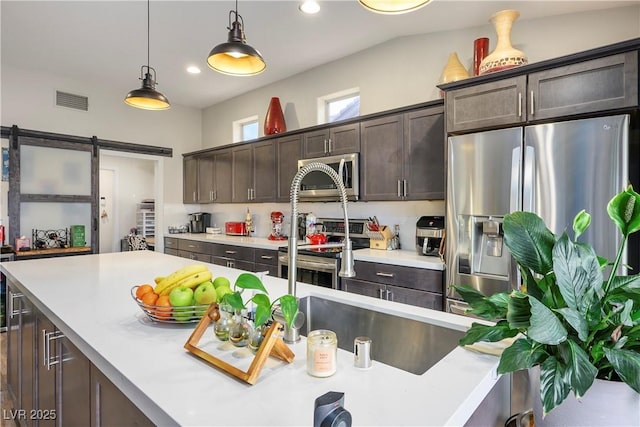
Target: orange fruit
column 163, row 310
column 149, row 298
column 143, row 289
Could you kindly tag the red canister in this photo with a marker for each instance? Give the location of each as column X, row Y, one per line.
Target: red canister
column 480, row 51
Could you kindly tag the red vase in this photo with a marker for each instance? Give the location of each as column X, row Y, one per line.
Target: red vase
column 274, row 120
column 480, row 51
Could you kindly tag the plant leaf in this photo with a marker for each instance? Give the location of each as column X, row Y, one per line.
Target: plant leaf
column 577, row 273
column 490, row 308
column 580, row 370
column 529, row 241
column 580, row 223
column 519, row 310
column 545, row 327
column 250, row 281
column 262, row 314
column 490, row 333
column 522, row 354
column 553, row 387
column 289, row 307
column 577, row 321
column 629, row 282
column 234, row 299
column 627, row 365
column 624, row 210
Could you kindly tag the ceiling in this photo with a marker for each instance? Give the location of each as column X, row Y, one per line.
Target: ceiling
column 105, row 42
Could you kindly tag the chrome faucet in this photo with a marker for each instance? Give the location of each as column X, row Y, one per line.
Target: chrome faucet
column 346, row 270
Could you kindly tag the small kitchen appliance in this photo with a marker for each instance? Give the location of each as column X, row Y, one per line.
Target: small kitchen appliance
column 235, row 228
column 318, row 186
column 276, row 226
column 429, row 235
column 329, row 411
column 199, row 222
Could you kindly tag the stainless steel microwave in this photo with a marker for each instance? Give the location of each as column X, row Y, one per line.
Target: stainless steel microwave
column 318, row 186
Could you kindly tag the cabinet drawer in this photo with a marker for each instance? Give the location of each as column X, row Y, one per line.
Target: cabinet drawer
column 194, row 246
column 170, row 251
column 407, row 277
column 361, row 287
column 242, row 253
column 233, row 263
column 272, row 269
column 195, row 256
column 171, row 242
column 266, row 256
column 414, row 297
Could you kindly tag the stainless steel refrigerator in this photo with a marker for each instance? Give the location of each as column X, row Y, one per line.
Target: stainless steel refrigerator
column 554, row 170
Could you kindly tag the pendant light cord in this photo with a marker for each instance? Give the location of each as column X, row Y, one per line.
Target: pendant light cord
column 148, row 32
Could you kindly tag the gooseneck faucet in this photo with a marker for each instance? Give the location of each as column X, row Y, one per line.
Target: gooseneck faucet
column 346, row 270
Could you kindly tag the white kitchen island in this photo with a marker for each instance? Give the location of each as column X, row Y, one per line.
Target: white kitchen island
column 88, row 299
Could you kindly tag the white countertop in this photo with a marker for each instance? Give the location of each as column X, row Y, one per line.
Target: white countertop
column 397, row 257
column 88, row 298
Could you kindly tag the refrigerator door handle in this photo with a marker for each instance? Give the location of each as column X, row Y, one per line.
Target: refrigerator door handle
column 514, row 199
column 528, row 189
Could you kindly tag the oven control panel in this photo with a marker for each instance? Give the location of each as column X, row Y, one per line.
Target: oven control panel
column 336, row 226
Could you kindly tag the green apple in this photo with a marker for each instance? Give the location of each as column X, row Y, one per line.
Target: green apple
column 221, row 281
column 205, row 293
column 181, row 297
column 222, row 291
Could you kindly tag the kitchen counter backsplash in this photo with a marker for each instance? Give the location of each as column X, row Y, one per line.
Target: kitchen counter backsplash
column 405, row 214
column 404, row 257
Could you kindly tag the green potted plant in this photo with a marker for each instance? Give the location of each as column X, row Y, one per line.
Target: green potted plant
column 567, row 318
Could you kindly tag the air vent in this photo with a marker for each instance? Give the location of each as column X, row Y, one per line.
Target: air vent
column 70, row 100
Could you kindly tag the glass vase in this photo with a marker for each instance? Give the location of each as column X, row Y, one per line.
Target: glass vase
column 223, row 324
column 240, row 329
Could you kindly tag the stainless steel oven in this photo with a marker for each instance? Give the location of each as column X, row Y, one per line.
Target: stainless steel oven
column 320, row 267
column 318, row 186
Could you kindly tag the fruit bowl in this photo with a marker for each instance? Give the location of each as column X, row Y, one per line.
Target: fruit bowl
column 166, row 314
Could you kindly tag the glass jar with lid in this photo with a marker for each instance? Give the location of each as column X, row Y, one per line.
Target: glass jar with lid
column 322, row 353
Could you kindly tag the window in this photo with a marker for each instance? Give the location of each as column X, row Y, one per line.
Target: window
column 245, row 129
column 339, row 106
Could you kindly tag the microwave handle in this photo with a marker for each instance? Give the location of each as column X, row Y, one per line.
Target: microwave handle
column 343, row 172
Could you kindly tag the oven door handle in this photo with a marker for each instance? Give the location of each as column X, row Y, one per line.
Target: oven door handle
column 311, row 265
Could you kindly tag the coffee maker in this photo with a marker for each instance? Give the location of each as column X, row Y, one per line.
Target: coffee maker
column 199, row 222
column 430, row 235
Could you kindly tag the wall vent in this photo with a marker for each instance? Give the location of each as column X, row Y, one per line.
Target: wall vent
column 69, row 100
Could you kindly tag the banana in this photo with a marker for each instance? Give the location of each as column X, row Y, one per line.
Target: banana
column 189, row 282
column 158, row 279
column 178, row 275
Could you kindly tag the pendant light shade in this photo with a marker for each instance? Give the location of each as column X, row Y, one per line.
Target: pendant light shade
column 147, row 97
column 393, row 7
column 236, row 57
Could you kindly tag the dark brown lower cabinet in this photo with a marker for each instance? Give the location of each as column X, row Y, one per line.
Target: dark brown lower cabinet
column 407, row 285
column 110, row 407
column 52, row 383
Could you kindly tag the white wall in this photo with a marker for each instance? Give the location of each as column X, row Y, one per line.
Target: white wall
column 405, row 71
column 28, row 100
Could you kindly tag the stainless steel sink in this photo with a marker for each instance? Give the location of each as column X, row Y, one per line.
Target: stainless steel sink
column 406, row 344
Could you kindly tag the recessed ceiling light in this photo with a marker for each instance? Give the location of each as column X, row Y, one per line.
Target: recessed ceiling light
column 193, row 69
column 309, row 7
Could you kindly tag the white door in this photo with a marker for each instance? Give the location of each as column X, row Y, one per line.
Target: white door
column 107, row 213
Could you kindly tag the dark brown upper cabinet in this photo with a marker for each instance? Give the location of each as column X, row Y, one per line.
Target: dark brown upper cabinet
column 343, row 139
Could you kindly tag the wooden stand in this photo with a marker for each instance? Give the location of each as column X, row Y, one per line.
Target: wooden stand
column 272, row 345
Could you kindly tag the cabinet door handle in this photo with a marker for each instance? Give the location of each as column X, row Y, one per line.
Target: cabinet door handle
column 194, row 196
column 48, row 360
column 266, row 256
column 230, row 252
column 404, row 187
column 532, row 112
column 326, row 143
column 12, row 310
column 519, row 104
column 399, row 189
column 230, row 264
column 215, row 194
column 248, row 194
column 389, row 296
column 191, row 246
column 253, row 194
column 381, row 293
column 330, row 149
column 381, row 274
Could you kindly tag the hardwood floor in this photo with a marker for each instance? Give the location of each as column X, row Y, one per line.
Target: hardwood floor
column 6, row 402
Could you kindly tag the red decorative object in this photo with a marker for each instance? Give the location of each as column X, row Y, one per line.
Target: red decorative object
column 480, row 51
column 274, row 120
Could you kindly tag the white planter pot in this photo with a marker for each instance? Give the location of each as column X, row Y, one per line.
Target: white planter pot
column 606, row 403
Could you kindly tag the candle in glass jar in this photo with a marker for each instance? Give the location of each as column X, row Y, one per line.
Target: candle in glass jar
column 322, row 353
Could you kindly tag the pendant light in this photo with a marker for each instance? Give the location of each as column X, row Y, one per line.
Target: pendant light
column 147, row 97
column 393, row 7
column 236, row 57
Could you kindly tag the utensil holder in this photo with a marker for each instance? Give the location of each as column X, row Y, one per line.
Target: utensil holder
column 381, row 239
